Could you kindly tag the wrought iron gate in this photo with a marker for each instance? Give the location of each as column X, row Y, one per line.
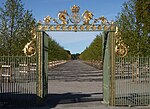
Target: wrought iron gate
column 17, row 80
column 126, row 79
column 85, row 23
column 116, row 71
column 23, row 79
column 132, row 81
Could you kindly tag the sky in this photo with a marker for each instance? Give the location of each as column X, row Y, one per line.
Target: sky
column 76, row 42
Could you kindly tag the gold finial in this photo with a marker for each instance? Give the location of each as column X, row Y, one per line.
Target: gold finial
column 103, row 19
column 39, row 25
column 75, row 9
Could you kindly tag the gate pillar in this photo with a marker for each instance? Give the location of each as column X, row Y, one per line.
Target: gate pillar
column 42, row 66
column 108, row 66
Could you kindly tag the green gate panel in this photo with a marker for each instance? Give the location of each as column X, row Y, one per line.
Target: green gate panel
column 106, row 68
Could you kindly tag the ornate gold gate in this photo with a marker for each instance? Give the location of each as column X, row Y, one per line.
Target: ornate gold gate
column 125, row 79
column 77, row 23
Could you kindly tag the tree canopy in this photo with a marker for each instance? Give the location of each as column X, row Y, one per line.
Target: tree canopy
column 56, row 52
column 15, row 27
column 94, row 51
column 134, row 25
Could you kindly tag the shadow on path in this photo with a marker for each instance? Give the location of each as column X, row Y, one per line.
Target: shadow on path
column 53, row 100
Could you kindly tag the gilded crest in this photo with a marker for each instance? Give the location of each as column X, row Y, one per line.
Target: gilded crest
column 62, row 16
column 87, row 16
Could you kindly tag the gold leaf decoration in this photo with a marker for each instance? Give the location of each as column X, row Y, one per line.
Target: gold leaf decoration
column 62, row 16
column 75, row 28
column 99, row 27
column 87, row 16
column 70, row 27
column 81, row 27
column 51, row 28
column 93, row 27
column 88, row 27
column 64, row 28
column 105, row 28
column 47, row 19
column 45, row 28
column 58, row 27
column 121, row 49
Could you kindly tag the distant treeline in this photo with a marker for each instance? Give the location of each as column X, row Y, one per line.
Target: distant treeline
column 56, row 52
column 94, row 51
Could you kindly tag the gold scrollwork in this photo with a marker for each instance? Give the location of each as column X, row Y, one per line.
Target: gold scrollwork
column 75, row 28
column 99, row 27
column 45, row 28
column 70, row 27
column 102, row 19
column 51, row 28
column 58, row 27
column 47, row 19
column 105, row 27
column 93, row 27
column 88, row 27
column 82, row 27
column 29, row 49
column 33, row 33
column 75, row 18
column 62, row 15
column 63, row 27
column 87, row 16
column 121, row 49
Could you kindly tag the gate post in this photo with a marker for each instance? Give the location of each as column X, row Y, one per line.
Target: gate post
column 112, row 65
column 109, row 66
column 106, row 67
column 42, row 66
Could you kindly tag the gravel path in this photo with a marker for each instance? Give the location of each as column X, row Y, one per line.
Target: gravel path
column 74, row 82
column 76, row 85
column 75, row 71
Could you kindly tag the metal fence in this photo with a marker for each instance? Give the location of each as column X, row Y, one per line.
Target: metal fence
column 132, row 78
column 17, row 80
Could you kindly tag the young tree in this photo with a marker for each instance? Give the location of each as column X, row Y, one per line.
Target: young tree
column 131, row 27
column 142, row 8
column 15, row 27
